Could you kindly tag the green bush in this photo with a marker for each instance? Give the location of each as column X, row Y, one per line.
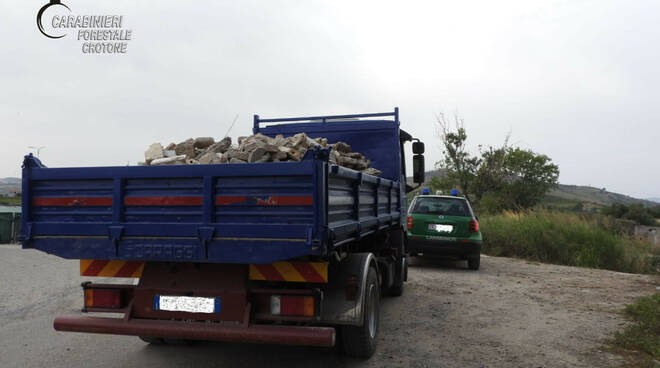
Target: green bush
column 567, row 239
column 644, row 333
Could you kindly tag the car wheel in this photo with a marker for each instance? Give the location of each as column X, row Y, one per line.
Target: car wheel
column 360, row 341
column 473, row 263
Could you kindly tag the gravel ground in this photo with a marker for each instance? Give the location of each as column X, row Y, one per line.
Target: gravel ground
column 511, row 313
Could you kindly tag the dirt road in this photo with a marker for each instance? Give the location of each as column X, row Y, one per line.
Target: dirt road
column 511, row 313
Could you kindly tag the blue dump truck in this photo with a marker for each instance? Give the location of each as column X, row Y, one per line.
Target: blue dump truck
column 284, row 252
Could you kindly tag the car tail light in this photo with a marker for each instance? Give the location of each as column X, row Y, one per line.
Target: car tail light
column 103, row 298
column 289, row 305
column 474, row 226
column 410, row 222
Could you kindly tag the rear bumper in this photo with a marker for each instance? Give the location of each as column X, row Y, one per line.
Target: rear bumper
column 268, row 334
column 443, row 248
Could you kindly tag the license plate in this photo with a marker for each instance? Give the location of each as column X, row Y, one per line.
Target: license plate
column 192, row 304
column 441, row 228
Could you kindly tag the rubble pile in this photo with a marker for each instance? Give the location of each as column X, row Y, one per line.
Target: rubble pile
column 255, row 148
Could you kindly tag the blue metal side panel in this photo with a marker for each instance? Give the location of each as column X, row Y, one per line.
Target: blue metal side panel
column 360, row 204
column 239, row 213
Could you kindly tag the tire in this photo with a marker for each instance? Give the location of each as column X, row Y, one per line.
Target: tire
column 163, row 341
column 152, row 340
column 179, row 341
column 474, row 262
column 397, row 286
column 360, row 341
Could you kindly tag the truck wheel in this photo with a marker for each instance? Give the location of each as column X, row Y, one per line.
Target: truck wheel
column 397, row 286
column 152, row 340
column 179, row 341
column 473, row 262
column 360, row 341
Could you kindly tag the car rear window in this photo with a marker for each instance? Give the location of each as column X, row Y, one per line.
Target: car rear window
column 441, row 206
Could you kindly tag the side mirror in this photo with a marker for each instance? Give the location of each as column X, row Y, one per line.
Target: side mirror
column 418, row 169
column 418, row 148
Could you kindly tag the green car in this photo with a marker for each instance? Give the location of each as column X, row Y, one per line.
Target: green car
column 444, row 226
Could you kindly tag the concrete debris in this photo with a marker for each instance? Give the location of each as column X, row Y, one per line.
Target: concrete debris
column 203, row 142
column 256, row 148
column 155, row 151
column 176, row 160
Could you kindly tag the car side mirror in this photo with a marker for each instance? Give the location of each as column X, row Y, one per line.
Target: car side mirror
column 418, row 148
column 418, row 169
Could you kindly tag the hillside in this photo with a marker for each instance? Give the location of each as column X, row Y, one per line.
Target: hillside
column 10, row 185
column 594, row 196
column 569, row 195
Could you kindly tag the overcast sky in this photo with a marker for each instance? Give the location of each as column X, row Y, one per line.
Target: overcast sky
column 576, row 80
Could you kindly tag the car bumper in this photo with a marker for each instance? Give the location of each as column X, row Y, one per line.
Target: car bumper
column 443, row 247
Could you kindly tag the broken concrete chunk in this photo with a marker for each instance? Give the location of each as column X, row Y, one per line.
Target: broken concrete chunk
column 262, row 138
column 265, row 158
column 155, row 151
column 176, row 160
column 372, row 171
column 218, row 147
column 355, row 155
column 255, row 148
column 208, row 158
column 240, row 155
column 256, row 154
column 251, row 143
column 203, row 142
column 185, row 148
column 279, row 156
column 279, row 140
column 271, row 148
column 342, row 147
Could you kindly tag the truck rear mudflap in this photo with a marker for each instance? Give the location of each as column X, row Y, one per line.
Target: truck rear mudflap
column 268, row 334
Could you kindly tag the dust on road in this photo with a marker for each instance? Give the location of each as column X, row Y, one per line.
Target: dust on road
column 511, row 313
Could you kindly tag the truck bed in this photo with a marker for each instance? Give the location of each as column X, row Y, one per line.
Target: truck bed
column 226, row 213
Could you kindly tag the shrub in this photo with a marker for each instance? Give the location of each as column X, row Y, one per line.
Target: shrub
column 567, row 239
column 644, row 333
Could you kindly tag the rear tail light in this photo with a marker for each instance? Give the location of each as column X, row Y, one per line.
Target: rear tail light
column 410, row 222
column 103, row 298
column 289, row 305
column 474, row 226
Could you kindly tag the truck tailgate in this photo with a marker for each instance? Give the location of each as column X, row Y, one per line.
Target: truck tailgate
column 236, row 213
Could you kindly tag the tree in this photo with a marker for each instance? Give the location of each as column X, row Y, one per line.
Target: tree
column 635, row 212
column 639, row 214
column 530, row 176
column 498, row 178
column 460, row 166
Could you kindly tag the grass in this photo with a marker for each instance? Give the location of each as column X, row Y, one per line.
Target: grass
column 643, row 335
column 10, row 201
column 568, row 239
